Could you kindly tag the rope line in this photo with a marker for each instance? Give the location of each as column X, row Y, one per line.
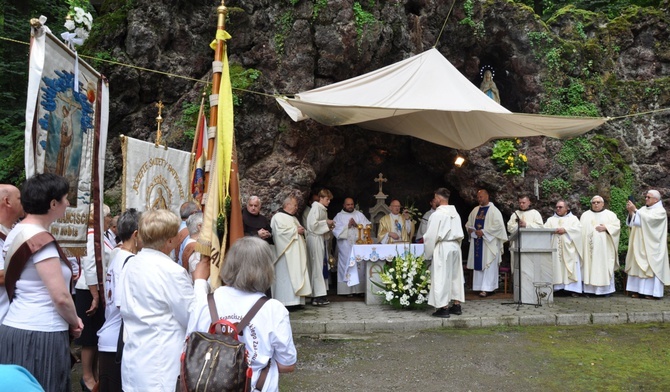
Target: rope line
column 639, row 114
column 444, row 24
column 206, row 82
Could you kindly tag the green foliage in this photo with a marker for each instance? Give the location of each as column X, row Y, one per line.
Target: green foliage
column 318, row 6
column 556, row 186
column 506, row 156
column 611, row 8
column 104, row 56
column 363, row 19
column 189, row 118
column 114, row 17
column 284, row 25
column 242, row 79
column 478, row 27
column 575, row 149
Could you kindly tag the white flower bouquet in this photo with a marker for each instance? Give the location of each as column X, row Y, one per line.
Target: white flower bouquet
column 405, row 282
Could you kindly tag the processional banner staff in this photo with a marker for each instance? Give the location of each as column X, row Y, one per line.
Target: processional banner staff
column 222, row 182
column 67, row 113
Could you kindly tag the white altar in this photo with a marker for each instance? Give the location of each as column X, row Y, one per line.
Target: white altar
column 531, row 252
column 373, row 256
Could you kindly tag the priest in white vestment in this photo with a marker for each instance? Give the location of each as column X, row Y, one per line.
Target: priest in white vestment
column 346, row 232
column 291, row 284
column 486, row 229
column 600, row 239
column 423, row 223
column 318, row 228
column 443, row 245
column 395, row 227
column 567, row 240
column 524, row 217
column 647, row 258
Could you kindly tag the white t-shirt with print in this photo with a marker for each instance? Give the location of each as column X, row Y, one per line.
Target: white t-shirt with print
column 268, row 335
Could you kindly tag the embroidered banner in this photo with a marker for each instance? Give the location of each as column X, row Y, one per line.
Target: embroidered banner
column 154, row 176
column 66, row 130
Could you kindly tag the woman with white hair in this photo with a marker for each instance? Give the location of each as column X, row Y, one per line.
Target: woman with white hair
column 190, row 257
column 156, row 302
column 247, row 273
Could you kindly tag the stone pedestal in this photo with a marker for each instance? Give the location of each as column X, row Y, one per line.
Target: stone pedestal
column 532, row 268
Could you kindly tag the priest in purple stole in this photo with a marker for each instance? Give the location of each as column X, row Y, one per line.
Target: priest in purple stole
column 486, row 229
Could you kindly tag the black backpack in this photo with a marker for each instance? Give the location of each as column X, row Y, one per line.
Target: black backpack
column 217, row 360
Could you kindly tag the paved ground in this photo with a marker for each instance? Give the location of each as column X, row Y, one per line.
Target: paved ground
column 356, row 317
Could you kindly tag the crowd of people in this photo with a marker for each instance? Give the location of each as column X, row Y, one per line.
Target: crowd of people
column 586, row 256
column 132, row 326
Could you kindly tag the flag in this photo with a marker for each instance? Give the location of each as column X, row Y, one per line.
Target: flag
column 198, row 176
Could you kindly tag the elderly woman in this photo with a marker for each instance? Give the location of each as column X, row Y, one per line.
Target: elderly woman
column 108, row 335
column 90, row 307
column 248, row 273
column 156, row 300
column 41, row 317
column 190, row 257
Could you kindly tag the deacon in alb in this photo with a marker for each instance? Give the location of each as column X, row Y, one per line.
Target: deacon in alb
column 567, row 240
column 346, row 233
column 647, row 258
column 486, row 228
column 443, row 244
column 600, row 257
column 524, row 217
column 318, row 228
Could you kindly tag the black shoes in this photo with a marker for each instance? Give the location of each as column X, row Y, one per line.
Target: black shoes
column 320, row 301
column 441, row 312
column 456, row 309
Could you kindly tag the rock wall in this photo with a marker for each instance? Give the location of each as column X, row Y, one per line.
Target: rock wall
column 615, row 67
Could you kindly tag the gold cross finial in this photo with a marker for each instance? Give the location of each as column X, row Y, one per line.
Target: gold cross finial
column 380, row 179
column 159, row 120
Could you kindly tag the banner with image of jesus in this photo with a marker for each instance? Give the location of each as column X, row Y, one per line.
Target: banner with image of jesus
column 66, row 131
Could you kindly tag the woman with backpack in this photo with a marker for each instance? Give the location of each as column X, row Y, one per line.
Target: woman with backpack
column 247, row 274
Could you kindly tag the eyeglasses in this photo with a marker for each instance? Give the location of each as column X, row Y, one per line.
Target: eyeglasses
column 596, row 202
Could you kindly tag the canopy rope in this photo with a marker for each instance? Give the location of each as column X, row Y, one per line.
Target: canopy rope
column 444, row 24
column 275, row 95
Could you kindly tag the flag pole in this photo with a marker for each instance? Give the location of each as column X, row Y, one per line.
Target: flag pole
column 208, row 243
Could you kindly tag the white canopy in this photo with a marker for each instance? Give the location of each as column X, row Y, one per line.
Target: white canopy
column 426, row 97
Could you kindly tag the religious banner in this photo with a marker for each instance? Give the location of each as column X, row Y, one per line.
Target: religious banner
column 66, row 130
column 154, row 176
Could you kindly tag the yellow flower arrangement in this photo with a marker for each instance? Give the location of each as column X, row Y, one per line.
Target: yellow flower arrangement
column 508, row 158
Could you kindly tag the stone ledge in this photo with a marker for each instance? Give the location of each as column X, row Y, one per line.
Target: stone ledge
column 537, row 319
column 609, row 318
column 573, row 319
column 509, row 321
column 645, row 317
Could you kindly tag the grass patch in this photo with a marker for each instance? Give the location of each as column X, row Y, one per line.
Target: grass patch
column 613, row 358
